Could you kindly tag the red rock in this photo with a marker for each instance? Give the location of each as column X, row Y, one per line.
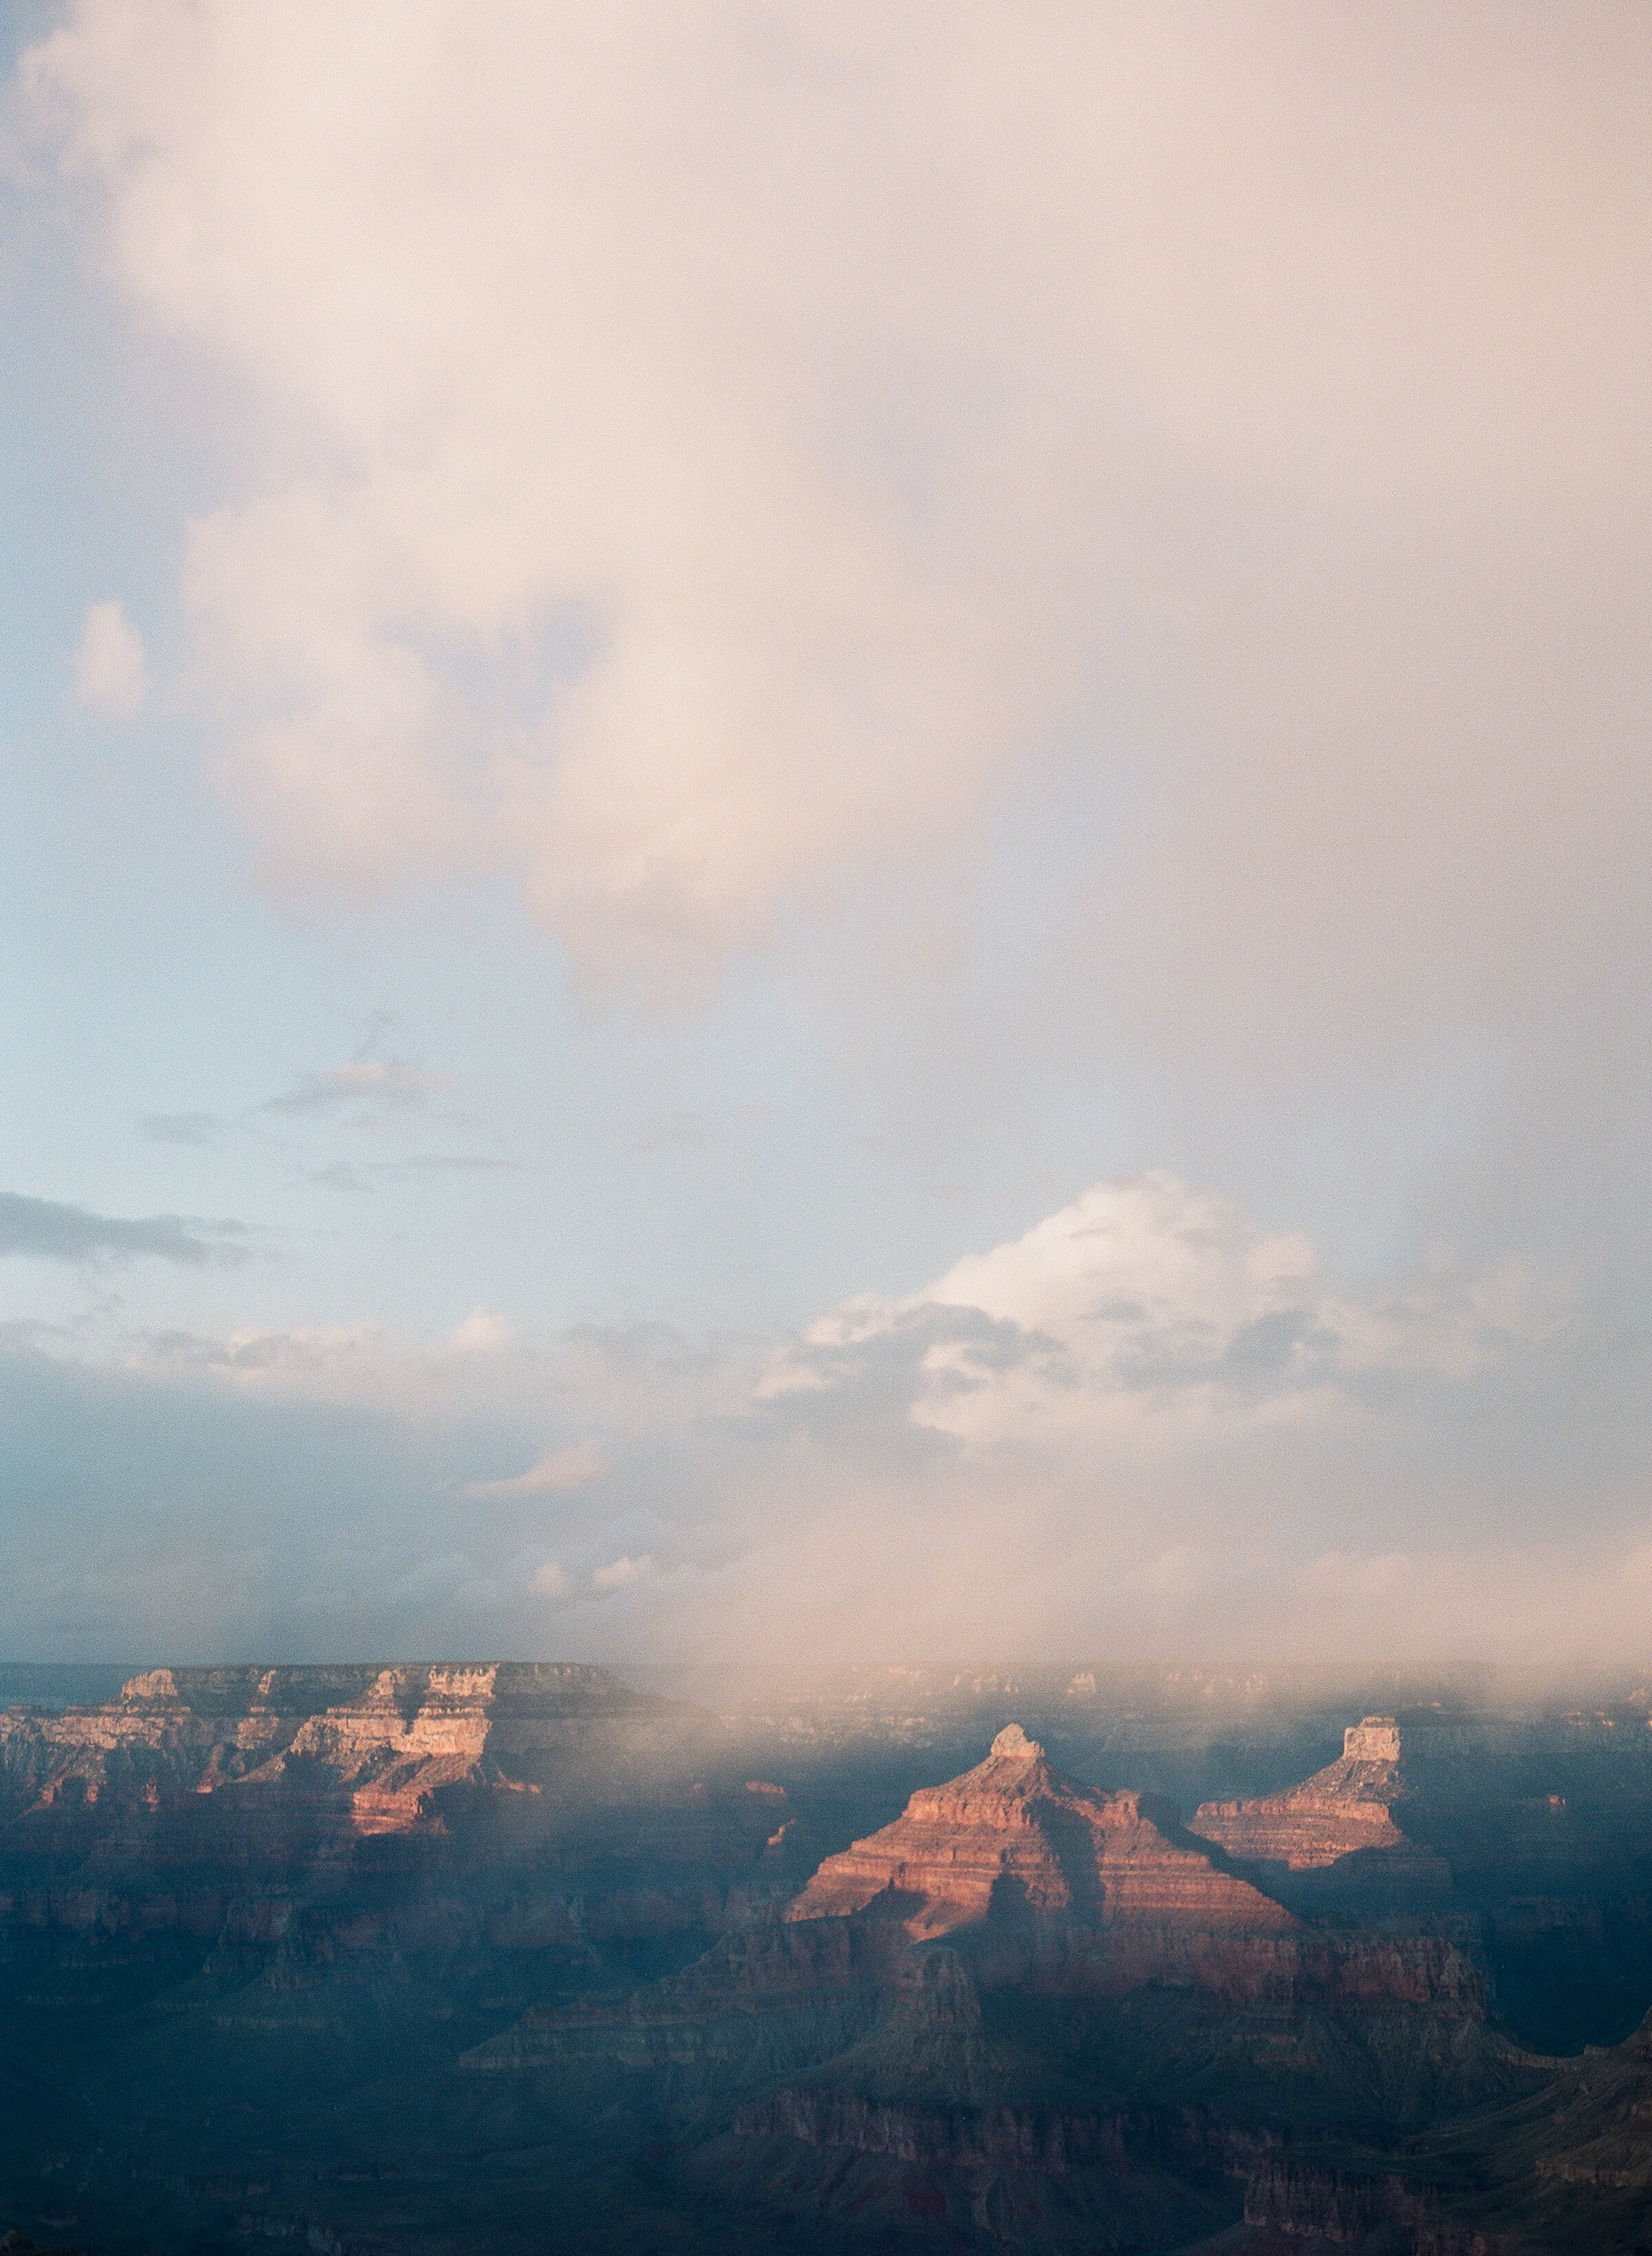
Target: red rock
column 199, row 1786
column 1014, row 1836
column 1340, row 1811
column 378, row 1744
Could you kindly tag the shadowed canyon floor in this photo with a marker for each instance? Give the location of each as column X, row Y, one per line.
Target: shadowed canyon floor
column 529, row 1957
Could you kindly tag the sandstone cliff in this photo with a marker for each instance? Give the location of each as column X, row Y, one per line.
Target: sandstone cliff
column 1012, row 1836
column 419, row 1806
column 1342, row 1827
column 383, row 1739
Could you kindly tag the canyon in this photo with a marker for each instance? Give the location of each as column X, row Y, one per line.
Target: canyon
column 440, row 1957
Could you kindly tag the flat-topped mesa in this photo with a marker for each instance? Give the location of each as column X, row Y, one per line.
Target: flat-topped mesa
column 1014, row 1836
column 1376, row 1739
column 1342, row 1810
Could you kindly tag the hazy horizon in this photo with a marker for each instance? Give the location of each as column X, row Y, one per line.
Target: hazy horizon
column 827, row 833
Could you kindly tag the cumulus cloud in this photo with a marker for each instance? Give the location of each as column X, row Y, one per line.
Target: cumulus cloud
column 1145, row 1422
column 110, row 677
column 44, row 1229
column 817, row 411
column 1149, row 1308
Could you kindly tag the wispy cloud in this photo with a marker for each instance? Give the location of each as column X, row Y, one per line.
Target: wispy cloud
column 341, row 1177
column 374, row 1080
column 44, row 1229
column 446, row 1163
column 345, row 1175
column 199, row 1128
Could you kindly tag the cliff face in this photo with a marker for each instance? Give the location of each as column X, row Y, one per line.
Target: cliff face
column 1340, row 2209
column 513, row 1800
column 382, row 1739
column 765, row 2001
column 937, row 2123
column 1058, row 1887
column 1338, row 1833
column 488, row 1916
column 1012, row 1836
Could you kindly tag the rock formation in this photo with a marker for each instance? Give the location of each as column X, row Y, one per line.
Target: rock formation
column 767, row 1999
column 1348, row 1810
column 210, row 1801
column 510, row 1948
column 1013, row 1836
column 379, row 1741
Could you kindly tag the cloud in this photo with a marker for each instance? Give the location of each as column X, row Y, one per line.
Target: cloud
column 109, row 674
column 43, row 1229
column 442, row 1163
column 345, row 1175
column 339, row 1176
column 196, row 1128
column 1146, row 1423
column 559, row 1472
column 1150, row 1310
column 623, row 1574
column 379, row 1080
column 823, row 412
column 481, row 1332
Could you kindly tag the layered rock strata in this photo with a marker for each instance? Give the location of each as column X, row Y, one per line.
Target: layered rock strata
column 1341, row 1826
column 765, row 2000
column 386, row 1738
column 1013, row 1835
column 426, row 1806
column 1059, row 1886
column 1341, row 1810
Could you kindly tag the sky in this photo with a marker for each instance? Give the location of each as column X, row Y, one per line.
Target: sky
column 825, row 831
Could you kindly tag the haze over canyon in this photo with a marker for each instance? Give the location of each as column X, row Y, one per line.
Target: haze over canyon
column 824, row 925
column 424, row 1958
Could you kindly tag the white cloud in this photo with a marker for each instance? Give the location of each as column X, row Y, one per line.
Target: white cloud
column 481, row 1332
column 1149, row 1312
column 621, row 1573
column 1149, row 1252
column 558, row 1473
column 110, row 673
column 1144, row 1417
column 824, row 404
column 1149, row 1319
